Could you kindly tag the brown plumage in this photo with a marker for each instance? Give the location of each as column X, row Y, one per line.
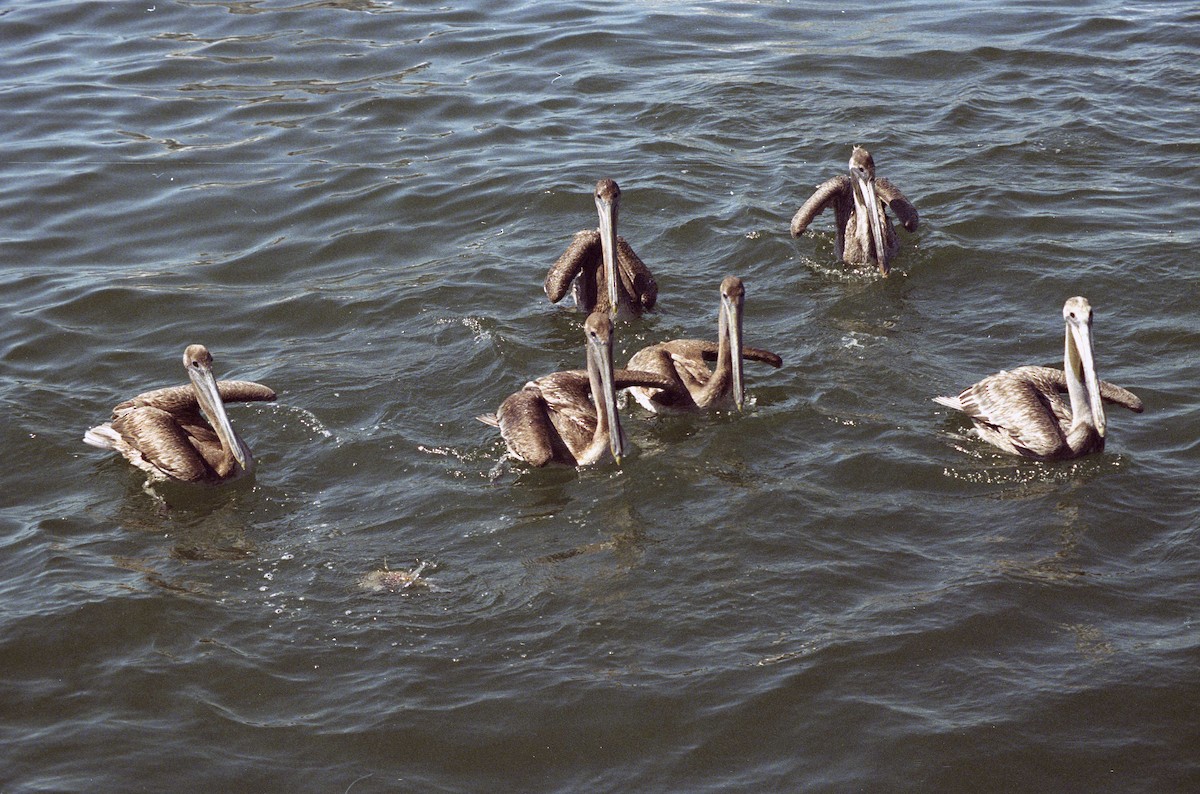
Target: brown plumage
column 1022, row 411
column 182, row 432
column 571, row 417
column 683, row 362
column 599, row 267
column 864, row 236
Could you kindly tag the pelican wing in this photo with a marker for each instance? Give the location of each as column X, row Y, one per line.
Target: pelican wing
column 828, row 194
column 1020, row 408
column 244, row 391
column 160, row 441
column 628, row 378
column 526, row 428
column 709, row 351
column 689, row 365
column 658, row 362
column 568, row 399
column 680, row 359
column 655, row 359
column 1109, row 392
column 582, row 254
column 764, row 356
column 181, row 399
column 564, row 389
column 636, row 276
column 564, row 392
column 900, row 205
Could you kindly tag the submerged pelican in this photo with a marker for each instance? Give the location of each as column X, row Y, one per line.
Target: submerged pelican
column 860, row 201
column 165, row 433
column 682, row 362
column 571, row 417
column 601, row 270
column 1022, row 411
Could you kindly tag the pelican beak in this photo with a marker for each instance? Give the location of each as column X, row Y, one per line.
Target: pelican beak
column 866, row 187
column 1079, row 358
column 731, row 319
column 608, row 245
column 210, row 402
column 602, row 353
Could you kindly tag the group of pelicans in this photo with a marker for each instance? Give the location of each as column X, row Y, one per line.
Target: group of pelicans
column 183, row 432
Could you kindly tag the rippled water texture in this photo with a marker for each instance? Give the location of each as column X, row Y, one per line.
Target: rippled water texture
column 355, row 202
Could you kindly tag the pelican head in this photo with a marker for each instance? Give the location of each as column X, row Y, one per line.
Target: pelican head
column 198, row 362
column 1083, row 384
column 608, row 204
column 599, row 332
column 733, row 295
column 862, row 174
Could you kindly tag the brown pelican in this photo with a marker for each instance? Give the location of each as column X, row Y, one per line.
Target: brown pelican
column 601, row 270
column 682, row 361
column 571, row 417
column 164, row 432
column 864, row 231
column 1022, row 411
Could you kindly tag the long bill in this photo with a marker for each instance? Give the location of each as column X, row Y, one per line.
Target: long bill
column 604, row 393
column 205, row 385
column 731, row 327
column 867, row 188
column 607, row 210
column 1085, row 395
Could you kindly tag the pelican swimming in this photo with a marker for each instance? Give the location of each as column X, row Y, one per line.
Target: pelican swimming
column 864, row 231
column 601, row 270
column 165, row 433
column 571, row 417
column 1022, row 411
column 682, row 362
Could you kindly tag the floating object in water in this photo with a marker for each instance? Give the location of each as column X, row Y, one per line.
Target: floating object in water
column 385, row 578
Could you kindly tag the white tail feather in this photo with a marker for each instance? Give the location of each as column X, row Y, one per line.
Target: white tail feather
column 949, row 402
column 102, row 436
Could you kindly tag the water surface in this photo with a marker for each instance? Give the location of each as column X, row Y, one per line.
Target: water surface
column 355, row 203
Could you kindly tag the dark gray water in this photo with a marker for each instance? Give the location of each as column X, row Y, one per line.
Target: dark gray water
column 355, row 202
